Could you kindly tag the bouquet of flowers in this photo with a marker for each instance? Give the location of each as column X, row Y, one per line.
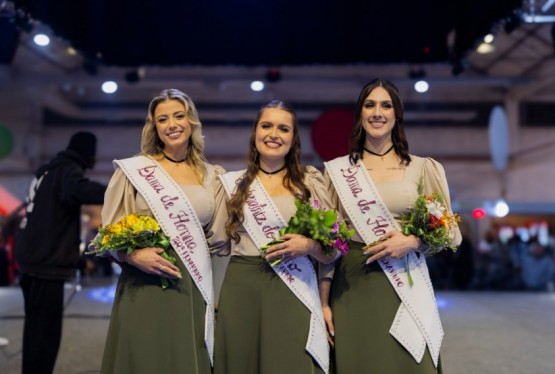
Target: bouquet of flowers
column 430, row 221
column 314, row 222
column 132, row 232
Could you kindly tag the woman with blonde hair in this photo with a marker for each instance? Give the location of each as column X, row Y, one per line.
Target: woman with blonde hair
column 156, row 330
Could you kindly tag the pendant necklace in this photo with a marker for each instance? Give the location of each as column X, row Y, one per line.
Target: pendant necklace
column 379, row 154
column 172, row 160
column 270, row 173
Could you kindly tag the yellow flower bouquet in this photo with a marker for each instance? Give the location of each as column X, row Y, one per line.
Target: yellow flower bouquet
column 132, row 232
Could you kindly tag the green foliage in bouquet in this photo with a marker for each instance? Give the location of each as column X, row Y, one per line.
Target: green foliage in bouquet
column 314, row 222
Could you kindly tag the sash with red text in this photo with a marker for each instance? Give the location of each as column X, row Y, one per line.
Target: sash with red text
column 417, row 321
column 179, row 221
column 262, row 223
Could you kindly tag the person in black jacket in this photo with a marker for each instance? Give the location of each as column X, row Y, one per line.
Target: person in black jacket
column 47, row 246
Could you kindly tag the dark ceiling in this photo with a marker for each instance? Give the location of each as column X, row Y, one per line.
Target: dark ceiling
column 269, row 32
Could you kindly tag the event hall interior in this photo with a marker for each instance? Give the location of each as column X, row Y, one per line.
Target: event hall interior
column 483, row 107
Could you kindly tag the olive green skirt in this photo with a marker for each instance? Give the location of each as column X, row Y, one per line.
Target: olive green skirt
column 261, row 327
column 154, row 330
column 364, row 305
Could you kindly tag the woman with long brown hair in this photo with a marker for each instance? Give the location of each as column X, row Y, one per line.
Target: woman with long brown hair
column 266, row 313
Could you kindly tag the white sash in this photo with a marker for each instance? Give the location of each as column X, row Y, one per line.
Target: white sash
column 179, row 221
column 262, row 223
column 417, row 322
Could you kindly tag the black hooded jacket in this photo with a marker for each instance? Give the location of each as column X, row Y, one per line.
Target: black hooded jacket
column 47, row 246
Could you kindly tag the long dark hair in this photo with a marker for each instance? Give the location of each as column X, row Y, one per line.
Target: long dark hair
column 293, row 179
column 398, row 136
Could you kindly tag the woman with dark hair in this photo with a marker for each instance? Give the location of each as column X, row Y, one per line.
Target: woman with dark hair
column 267, row 313
column 156, row 330
column 380, row 322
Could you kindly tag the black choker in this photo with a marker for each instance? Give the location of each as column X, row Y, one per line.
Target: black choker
column 172, row 160
column 271, row 172
column 379, row 154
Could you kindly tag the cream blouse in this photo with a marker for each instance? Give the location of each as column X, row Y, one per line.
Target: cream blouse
column 122, row 199
column 400, row 196
column 286, row 207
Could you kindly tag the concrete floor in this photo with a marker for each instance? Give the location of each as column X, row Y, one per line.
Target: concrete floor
column 485, row 332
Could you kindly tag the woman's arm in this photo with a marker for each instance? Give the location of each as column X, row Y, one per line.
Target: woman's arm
column 325, row 288
column 296, row 245
column 396, row 246
column 149, row 260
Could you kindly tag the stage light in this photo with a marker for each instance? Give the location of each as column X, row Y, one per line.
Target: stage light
column 257, row 86
column 109, row 87
column 421, row 86
column 489, row 38
column 478, row 213
column 41, row 39
column 501, row 209
column 485, row 48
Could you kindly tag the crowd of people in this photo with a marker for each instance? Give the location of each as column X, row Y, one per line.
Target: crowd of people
column 519, row 262
column 505, row 259
column 305, row 315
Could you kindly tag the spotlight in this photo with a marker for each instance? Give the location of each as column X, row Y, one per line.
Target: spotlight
column 485, row 48
column 257, row 86
column 421, row 86
column 109, row 87
column 273, row 75
column 41, row 39
column 501, row 209
column 419, row 75
column 489, row 38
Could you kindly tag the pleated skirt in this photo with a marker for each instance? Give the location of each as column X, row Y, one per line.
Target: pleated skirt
column 364, row 305
column 261, row 326
column 154, row 330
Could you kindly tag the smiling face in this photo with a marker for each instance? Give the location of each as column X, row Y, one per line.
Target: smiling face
column 172, row 126
column 378, row 115
column 274, row 135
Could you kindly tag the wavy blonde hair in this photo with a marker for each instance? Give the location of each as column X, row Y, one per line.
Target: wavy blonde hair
column 151, row 144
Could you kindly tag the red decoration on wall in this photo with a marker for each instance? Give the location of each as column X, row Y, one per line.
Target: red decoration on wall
column 330, row 133
column 478, row 213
